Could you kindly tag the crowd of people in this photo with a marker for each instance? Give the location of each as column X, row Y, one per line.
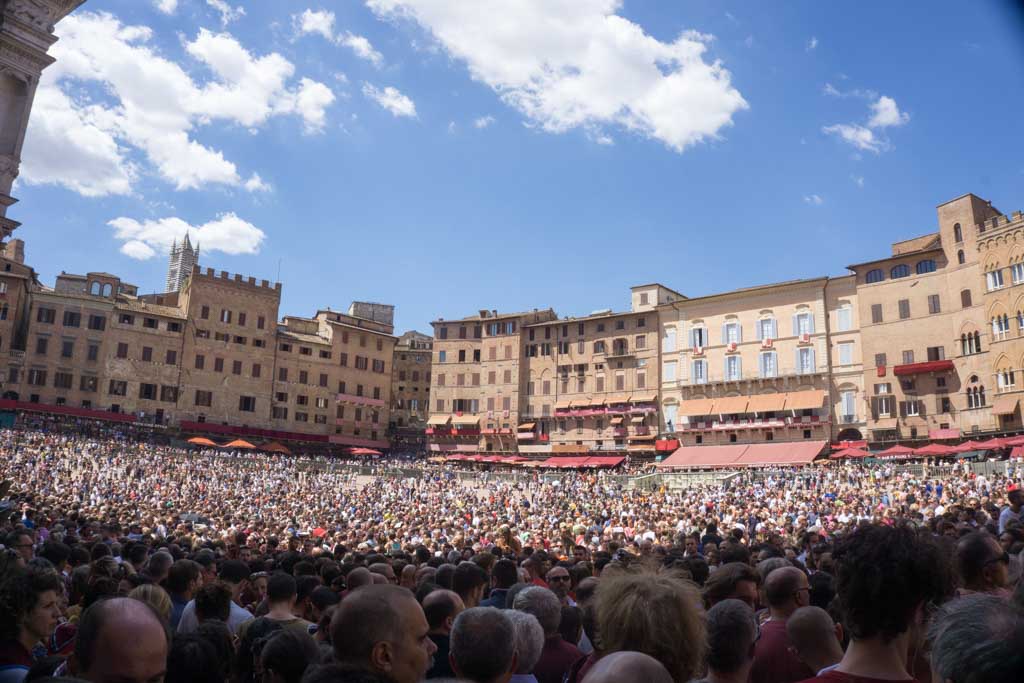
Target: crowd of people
column 131, row 561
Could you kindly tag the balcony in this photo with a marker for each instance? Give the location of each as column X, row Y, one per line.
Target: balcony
column 921, row 368
column 360, row 400
column 782, row 373
column 620, row 431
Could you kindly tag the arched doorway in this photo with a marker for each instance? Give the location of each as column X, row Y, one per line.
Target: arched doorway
column 850, row 435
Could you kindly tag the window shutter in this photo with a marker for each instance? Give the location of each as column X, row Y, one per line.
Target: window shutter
column 796, row 325
column 725, row 337
column 810, row 322
column 693, row 339
column 775, row 328
column 739, row 367
column 739, row 333
column 796, row 365
column 874, row 408
column 693, row 371
column 813, row 364
column 760, row 330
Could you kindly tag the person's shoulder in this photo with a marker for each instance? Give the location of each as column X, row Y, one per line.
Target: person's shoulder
column 841, row 677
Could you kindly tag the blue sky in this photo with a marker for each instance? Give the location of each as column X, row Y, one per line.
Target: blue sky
column 447, row 156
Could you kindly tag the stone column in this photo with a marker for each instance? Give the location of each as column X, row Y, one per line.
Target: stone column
column 26, row 34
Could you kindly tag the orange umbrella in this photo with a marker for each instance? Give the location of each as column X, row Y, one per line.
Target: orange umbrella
column 275, row 447
column 239, row 443
column 200, row 441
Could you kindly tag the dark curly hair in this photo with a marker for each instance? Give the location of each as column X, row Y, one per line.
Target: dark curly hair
column 883, row 575
column 19, row 593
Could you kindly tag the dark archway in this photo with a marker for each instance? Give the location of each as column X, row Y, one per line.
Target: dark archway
column 850, row 435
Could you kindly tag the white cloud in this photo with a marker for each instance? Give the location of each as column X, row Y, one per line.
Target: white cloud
column 812, row 44
column 749, row 41
column 321, row 22
column 858, row 180
column 227, row 12
column 813, row 200
column 150, row 104
column 568, row 65
column 71, row 146
column 137, row 250
column 228, row 234
column 484, row 121
column 362, row 47
column 452, row 128
column 391, row 99
column 166, row 6
column 256, row 184
column 860, row 137
column 885, row 113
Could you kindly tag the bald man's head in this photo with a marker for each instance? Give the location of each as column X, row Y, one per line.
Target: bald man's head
column 121, row 639
column 786, row 589
column 358, row 577
column 628, row 667
column 441, row 607
column 814, row 637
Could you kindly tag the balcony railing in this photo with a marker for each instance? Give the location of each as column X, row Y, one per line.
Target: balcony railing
column 723, row 378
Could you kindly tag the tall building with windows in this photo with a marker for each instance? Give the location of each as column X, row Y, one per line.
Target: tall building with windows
column 1000, row 243
column 778, row 362
column 926, row 333
column 183, row 259
column 410, row 390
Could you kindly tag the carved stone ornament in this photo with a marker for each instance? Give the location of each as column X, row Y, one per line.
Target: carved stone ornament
column 9, row 168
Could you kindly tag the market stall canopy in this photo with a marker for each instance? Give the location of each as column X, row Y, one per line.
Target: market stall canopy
column 934, row 449
column 239, row 443
column 438, row 420
column 201, row 441
column 275, row 447
column 847, row 453
column 466, row 420
column 896, row 450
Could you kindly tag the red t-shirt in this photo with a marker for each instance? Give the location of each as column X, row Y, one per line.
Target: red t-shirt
column 773, row 662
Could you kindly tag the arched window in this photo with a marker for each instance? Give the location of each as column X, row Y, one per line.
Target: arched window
column 94, row 289
column 960, row 257
column 902, row 270
column 107, row 289
column 875, row 275
column 958, row 234
column 970, row 343
column 926, row 266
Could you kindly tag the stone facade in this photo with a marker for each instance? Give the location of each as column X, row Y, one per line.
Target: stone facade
column 779, row 362
column 209, row 359
column 410, row 388
column 926, row 342
column 26, row 34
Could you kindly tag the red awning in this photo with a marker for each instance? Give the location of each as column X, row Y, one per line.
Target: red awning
column 666, row 445
column 796, row 453
column 10, row 404
column 604, row 460
column 849, row 453
column 839, row 445
column 1017, row 451
column 704, row 456
column 927, row 366
column 934, row 449
column 896, row 450
column 941, row 434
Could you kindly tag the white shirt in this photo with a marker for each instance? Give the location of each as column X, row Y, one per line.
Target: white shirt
column 188, row 622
